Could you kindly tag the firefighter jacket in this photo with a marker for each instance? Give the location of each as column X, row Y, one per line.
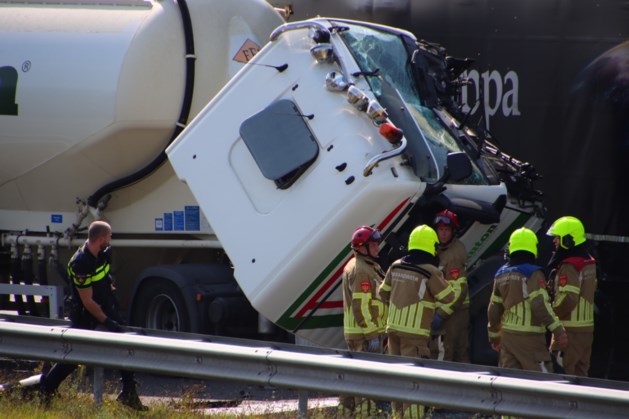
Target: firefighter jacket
column 412, row 291
column 574, row 287
column 452, row 261
column 364, row 313
column 520, row 303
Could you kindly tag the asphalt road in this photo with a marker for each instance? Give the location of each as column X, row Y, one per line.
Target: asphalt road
column 223, row 397
column 227, row 397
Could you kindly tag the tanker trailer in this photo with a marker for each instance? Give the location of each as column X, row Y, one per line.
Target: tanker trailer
column 91, row 93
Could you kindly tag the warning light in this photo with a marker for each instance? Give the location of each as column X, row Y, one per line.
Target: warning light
column 392, row 133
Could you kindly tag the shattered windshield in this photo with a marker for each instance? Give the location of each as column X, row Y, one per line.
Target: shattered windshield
column 429, row 142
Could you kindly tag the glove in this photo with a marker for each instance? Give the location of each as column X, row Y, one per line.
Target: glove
column 437, row 322
column 112, row 325
column 373, row 345
column 559, row 341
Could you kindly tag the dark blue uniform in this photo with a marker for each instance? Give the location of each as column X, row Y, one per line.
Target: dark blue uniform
column 85, row 271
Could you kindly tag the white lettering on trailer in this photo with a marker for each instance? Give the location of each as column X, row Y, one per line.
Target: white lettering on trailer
column 498, row 94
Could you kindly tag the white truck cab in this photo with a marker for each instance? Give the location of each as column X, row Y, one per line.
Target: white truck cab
column 333, row 125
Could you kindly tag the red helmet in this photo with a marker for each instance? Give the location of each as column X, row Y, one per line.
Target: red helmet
column 446, row 218
column 365, row 234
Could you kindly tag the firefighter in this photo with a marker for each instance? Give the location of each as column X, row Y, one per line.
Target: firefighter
column 451, row 340
column 363, row 312
column 572, row 272
column 93, row 307
column 519, row 311
column 411, row 287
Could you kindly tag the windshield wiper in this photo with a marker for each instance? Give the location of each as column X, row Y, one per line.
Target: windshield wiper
column 373, row 73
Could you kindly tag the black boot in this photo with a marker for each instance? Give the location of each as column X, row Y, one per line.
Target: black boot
column 129, row 396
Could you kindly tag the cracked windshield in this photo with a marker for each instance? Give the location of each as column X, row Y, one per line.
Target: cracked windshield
column 386, row 53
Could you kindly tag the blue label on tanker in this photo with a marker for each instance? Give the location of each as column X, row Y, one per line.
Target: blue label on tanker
column 178, row 220
column 56, row 218
column 168, row 221
column 193, row 218
column 187, row 220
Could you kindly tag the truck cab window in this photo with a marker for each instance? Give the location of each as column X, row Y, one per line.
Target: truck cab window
column 394, row 85
column 280, row 142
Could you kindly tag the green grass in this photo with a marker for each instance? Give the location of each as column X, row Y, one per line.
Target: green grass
column 73, row 400
column 73, row 404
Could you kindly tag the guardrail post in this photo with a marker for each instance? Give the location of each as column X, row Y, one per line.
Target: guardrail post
column 302, row 404
column 97, row 385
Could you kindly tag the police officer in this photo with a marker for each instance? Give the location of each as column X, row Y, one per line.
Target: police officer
column 93, row 307
column 364, row 313
column 573, row 280
column 452, row 262
column 519, row 311
column 411, row 287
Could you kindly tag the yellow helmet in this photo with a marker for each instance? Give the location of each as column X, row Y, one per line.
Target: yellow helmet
column 423, row 238
column 570, row 231
column 523, row 239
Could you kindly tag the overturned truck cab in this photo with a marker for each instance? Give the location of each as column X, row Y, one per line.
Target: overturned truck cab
column 336, row 124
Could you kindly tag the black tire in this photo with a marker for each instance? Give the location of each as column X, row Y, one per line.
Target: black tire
column 160, row 305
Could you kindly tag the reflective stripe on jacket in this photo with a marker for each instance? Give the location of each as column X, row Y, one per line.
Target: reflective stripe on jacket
column 575, row 284
column 452, row 262
column 363, row 312
column 83, row 276
column 520, row 302
column 412, row 291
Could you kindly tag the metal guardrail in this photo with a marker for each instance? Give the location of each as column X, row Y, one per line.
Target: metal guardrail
column 322, row 370
column 53, row 292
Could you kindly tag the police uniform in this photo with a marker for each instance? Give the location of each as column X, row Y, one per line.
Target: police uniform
column 452, row 261
column 519, row 314
column 411, row 287
column 574, row 287
column 85, row 271
column 363, row 319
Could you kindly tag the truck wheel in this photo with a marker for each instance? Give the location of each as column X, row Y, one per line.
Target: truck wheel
column 160, row 306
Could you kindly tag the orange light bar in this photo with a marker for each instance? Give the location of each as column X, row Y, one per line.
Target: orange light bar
column 392, row 133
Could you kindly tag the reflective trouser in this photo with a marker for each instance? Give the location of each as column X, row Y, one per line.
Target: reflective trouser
column 456, row 340
column 362, row 409
column 576, row 357
column 416, row 347
column 413, row 411
column 356, row 407
column 524, row 351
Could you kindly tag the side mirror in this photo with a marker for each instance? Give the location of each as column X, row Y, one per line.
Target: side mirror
column 459, row 166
